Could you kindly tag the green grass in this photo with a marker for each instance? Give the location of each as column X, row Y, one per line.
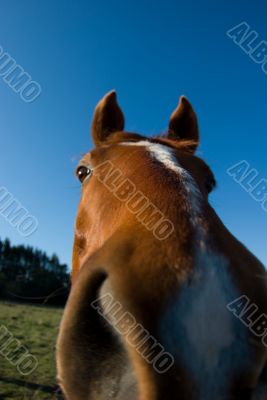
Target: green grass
column 36, row 328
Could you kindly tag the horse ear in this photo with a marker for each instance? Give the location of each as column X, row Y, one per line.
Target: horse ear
column 108, row 118
column 183, row 123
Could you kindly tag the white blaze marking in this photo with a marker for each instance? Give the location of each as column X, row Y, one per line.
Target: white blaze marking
column 165, row 155
column 198, row 327
column 209, row 324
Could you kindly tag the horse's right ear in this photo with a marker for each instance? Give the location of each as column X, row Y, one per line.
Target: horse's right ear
column 183, row 124
column 108, row 118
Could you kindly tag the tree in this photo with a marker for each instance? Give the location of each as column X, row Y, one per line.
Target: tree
column 29, row 274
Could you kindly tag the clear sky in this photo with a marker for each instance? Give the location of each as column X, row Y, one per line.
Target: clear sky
column 151, row 52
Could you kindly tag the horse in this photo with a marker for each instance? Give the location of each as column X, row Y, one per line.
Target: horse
column 162, row 293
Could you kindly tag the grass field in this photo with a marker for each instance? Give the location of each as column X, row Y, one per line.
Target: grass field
column 36, row 328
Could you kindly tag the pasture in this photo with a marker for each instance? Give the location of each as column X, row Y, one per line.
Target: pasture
column 36, row 328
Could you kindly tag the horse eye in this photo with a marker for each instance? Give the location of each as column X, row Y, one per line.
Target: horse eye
column 83, row 172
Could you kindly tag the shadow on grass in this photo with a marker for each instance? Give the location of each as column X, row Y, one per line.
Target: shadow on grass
column 34, row 386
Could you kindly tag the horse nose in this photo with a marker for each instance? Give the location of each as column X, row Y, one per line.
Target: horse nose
column 79, row 332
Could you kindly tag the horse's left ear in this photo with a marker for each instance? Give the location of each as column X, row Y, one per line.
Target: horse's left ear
column 108, row 118
column 183, row 123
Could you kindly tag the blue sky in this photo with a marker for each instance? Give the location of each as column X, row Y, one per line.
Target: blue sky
column 151, row 52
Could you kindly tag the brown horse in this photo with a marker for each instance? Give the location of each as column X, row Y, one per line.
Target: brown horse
column 163, row 296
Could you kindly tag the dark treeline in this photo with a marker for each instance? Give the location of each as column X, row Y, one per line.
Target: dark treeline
column 30, row 275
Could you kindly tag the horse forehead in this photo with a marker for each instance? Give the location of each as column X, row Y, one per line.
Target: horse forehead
column 168, row 159
column 163, row 154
